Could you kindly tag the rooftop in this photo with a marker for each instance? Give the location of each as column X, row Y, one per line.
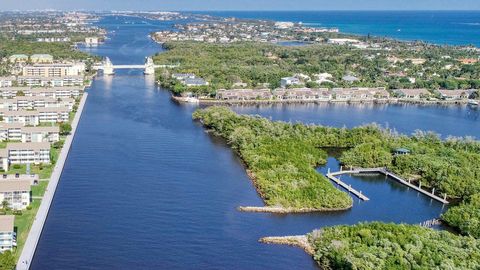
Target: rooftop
column 14, row 185
column 6, row 223
column 28, row 146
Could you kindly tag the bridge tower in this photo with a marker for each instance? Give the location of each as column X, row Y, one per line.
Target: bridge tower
column 108, row 67
column 149, row 66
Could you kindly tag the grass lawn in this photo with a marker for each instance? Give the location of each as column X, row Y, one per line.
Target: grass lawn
column 23, row 223
column 39, row 189
column 44, row 171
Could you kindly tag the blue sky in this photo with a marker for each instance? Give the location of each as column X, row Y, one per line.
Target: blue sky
column 242, row 4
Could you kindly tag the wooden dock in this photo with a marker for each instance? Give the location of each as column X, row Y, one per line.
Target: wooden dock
column 349, row 188
column 385, row 172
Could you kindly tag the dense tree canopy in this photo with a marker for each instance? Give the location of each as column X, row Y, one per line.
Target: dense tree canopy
column 262, row 63
column 391, row 246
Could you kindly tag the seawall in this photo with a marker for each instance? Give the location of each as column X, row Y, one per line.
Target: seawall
column 35, row 232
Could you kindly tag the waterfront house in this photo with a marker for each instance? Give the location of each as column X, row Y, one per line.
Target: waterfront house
column 7, row 81
column 16, row 193
column 7, row 234
column 23, row 153
column 40, row 134
column 453, row 94
column 287, row 81
column 413, row 93
column 244, row 94
column 302, row 94
column 360, row 94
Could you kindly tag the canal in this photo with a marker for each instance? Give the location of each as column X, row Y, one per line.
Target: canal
column 144, row 187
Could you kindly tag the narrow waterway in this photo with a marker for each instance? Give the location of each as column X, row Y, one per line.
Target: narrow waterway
column 144, row 187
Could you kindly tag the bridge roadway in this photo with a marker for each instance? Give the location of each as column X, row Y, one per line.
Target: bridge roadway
column 134, row 66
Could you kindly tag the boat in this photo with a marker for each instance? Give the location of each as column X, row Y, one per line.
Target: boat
column 472, row 102
column 192, row 100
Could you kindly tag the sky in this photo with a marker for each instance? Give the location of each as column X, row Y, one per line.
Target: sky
column 192, row 5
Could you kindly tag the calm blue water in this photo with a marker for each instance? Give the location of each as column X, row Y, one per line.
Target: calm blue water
column 441, row 27
column 145, row 187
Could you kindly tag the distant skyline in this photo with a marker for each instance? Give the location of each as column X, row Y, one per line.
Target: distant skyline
column 219, row 5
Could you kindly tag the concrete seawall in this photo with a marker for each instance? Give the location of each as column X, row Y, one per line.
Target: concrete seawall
column 28, row 251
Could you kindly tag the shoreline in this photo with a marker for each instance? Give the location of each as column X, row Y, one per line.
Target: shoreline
column 36, row 229
column 369, row 101
column 300, row 241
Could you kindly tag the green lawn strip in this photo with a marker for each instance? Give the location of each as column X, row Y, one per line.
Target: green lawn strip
column 23, row 223
column 39, row 190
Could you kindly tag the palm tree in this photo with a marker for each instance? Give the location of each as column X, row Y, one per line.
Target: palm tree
column 5, row 205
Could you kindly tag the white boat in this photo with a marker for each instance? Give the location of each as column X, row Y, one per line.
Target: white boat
column 472, row 102
column 192, row 100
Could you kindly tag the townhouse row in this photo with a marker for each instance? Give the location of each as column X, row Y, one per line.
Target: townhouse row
column 17, row 132
column 35, row 102
column 340, row 94
column 53, row 92
column 319, row 94
column 35, row 117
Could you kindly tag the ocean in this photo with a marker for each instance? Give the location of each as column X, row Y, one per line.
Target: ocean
column 439, row 27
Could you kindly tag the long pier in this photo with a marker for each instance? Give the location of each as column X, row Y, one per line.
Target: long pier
column 349, row 188
column 387, row 173
column 30, row 246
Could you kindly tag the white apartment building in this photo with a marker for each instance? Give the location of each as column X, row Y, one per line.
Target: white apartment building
column 54, row 70
column 7, row 81
column 7, row 237
column 26, row 118
column 23, row 153
column 53, row 92
column 57, row 92
column 40, row 134
column 53, row 115
column 38, row 81
column 32, row 103
column 4, row 159
column 16, row 193
column 11, row 131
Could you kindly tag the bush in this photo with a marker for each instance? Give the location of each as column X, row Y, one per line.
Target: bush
column 29, row 207
column 17, row 166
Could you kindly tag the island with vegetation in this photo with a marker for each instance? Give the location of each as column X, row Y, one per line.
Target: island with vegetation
column 386, row 246
column 281, row 158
